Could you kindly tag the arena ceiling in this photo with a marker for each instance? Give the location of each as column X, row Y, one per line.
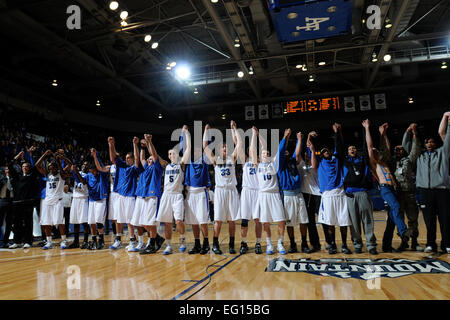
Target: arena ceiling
column 113, row 64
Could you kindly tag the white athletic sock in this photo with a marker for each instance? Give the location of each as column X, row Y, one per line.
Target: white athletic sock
column 118, row 234
column 141, row 239
column 63, row 237
column 258, row 240
column 244, row 239
column 49, row 239
column 280, row 240
column 169, row 242
column 269, row 241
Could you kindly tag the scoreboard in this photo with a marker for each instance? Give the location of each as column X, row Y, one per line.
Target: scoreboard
column 313, row 105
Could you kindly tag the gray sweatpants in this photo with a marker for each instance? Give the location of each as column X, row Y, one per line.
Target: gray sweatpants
column 361, row 210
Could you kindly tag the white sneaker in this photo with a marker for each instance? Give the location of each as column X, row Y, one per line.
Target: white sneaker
column 131, row 246
column 137, row 248
column 419, row 248
column 48, row 245
column 63, row 244
column 183, row 247
column 26, row 246
column 13, row 246
column 168, row 250
column 116, row 245
column 269, row 249
column 281, row 249
column 428, row 249
column 448, row 250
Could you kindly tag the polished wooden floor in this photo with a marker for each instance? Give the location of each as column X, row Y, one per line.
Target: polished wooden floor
column 80, row 274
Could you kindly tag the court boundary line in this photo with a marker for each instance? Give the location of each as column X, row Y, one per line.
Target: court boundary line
column 204, row 279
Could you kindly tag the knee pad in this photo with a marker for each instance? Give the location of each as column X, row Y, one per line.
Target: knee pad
column 244, row 223
column 99, row 225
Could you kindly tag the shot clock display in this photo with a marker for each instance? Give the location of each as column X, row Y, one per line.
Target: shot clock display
column 313, row 105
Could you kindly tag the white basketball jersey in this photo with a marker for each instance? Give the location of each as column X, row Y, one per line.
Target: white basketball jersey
column 173, row 178
column 112, row 176
column 249, row 179
column 225, row 173
column 267, row 177
column 54, row 189
column 80, row 190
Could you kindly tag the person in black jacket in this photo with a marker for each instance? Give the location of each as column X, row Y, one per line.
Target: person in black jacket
column 25, row 186
column 357, row 183
column 6, row 195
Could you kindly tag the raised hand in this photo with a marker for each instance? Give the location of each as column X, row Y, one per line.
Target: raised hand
column 383, row 128
column 32, row 149
column 299, row 136
column 366, row 123
column 287, row 133
column 135, row 140
column 148, row 137
column 143, row 143
column 93, row 151
column 47, row 153
column 233, row 124
column 111, row 140
column 312, row 134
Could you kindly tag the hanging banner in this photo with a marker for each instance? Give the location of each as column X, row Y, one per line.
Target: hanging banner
column 349, row 104
column 364, row 102
column 380, row 101
column 249, row 112
column 263, row 111
column 277, row 110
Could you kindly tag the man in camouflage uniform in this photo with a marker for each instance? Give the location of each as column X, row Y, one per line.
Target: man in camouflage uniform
column 404, row 166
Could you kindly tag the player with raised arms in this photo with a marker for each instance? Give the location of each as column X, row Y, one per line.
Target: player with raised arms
column 226, row 196
column 52, row 213
column 172, row 201
column 269, row 207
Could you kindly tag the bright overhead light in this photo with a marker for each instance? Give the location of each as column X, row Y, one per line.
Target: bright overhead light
column 237, row 44
column 147, row 38
column 387, row 58
column 183, row 72
column 304, row 68
column 123, row 23
column 444, row 65
column 54, row 83
column 155, row 45
column 160, row 116
column 113, row 5
column 250, row 71
column 224, row 116
column 172, row 64
column 322, row 63
column 311, row 78
column 98, row 103
column 240, row 74
column 374, row 57
column 298, row 66
column 388, row 24
column 168, row 68
column 214, row 1
column 124, row 15
column 195, row 91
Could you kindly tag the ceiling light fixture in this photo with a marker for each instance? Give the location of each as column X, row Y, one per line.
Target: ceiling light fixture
column 113, row 5
column 160, row 116
column 54, row 83
column 444, row 65
column 123, row 23
column 183, row 72
column 98, row 103
column 250, row 71
column 172, row 64
column 195, row 91
column 322, row 63
column 124, row 15
column 240, row 74
column 311, row 78
column 155, row 45
column 147, row 38
column 214, row 1
column 374, row 57
column 387, row 57
column 388, row 24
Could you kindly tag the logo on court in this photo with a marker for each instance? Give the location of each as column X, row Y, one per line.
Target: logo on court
column 363, row 269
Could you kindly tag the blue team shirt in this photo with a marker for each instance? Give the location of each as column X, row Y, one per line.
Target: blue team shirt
column 197, row 174
column 97, row 186
column 289, row 177
column 149, row 184
column 125, row 182
column 330, row 173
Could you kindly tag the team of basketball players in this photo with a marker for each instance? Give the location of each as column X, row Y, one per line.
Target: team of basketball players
column 286, row 189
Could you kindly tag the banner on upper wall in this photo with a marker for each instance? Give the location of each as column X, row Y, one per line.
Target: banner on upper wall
column 249, row 112
column 349, row 104
column 364, row 103
column 277, row 110
column 380, row 101
column 35, row 137
column 263, row 111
